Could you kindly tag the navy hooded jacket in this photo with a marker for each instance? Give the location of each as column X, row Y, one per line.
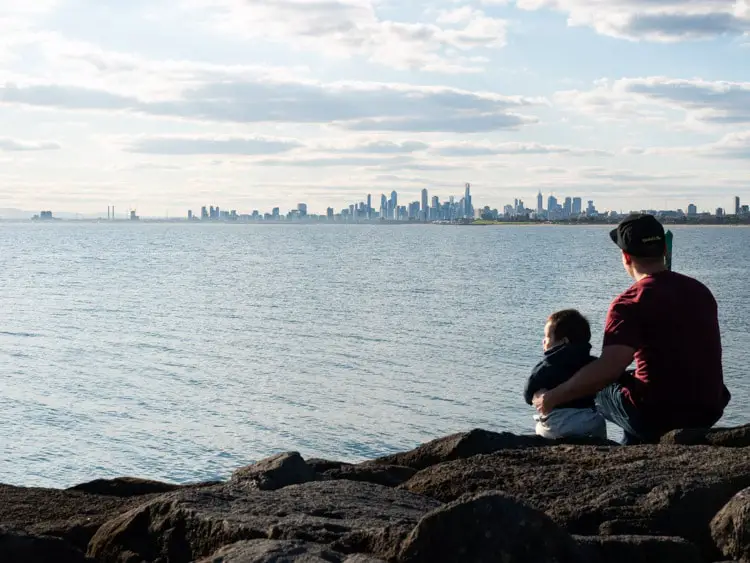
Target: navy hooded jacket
column 560, row 364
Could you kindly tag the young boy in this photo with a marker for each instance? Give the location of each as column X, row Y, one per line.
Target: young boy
column 567, row 349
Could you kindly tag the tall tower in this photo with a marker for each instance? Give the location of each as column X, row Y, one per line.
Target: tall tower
column 394, row 205
column 468, row 208
column 369, row 206
column 424, row 201
column 540, row 203
column 737, row 206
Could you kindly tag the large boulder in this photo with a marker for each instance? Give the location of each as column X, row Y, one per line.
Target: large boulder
column 72, row 515
column 488, row 528
column 738, row 437
column 387, row 475
column 467, row 444
column 283, row 551
column 731, row 527
column 657, row 490
column 275, row 472
column 19, row 547
column 347, row 516
column 637, row 549
column 124, row 487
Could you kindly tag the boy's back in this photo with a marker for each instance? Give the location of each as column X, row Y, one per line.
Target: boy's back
column 560, row 364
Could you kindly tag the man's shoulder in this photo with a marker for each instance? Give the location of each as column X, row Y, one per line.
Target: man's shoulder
column 675, row 282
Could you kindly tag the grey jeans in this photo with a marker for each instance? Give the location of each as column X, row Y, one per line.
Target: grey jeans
column 563, row 423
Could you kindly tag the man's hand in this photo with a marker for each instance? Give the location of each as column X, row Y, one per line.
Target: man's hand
column 542, row 402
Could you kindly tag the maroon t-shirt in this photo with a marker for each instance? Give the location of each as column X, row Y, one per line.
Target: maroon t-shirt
column 671, row 321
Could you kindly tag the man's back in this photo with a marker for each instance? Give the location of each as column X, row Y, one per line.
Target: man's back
column 671, row 321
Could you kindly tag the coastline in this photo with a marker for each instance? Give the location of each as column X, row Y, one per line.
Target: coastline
column 477, row 496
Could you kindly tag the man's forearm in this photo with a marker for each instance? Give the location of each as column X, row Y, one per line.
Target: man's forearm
column 589, row 380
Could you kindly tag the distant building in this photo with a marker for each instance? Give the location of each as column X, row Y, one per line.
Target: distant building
column 720, row 212
column 737, row 206
column 540, row 203
column 369, row 207
column 302, row 208
column 567, row 207
column 577, row 206
column 329, row 213
column 591, row 210
column 692, row 210
column 133, row 216
column 190, row 215
column 425, row 201
column 204, row 213
column 468, row 208
column 275, row 214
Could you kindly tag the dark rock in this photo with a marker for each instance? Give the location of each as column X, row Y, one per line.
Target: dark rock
column 323, row 465
column 18, row 547
column 387, row 475
column 637, row 549
column 660, row 490
column 347, row 516
column 730, row 528
column 738, row 437
column 124, row 487
column 475, row 442
column 72, row 515
column 275, row 472
column 487, row 528
column 282, row 551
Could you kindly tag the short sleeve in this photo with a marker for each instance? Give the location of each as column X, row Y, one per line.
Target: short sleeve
column 622, row 327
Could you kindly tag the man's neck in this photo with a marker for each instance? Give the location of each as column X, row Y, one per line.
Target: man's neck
column 641, row 272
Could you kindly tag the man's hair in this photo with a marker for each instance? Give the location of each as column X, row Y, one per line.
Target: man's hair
column 648, row 260
column 569, row 324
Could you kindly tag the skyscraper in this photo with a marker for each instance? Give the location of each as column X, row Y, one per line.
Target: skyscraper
column 577, row 206
column 424, row 201
column 737, row 206
column 394, row 205
column 383, row 206
column 468, row 208
column 692, row 210
column 567, row 207
column 551, row 204
column 302, row 208
column 540, row 203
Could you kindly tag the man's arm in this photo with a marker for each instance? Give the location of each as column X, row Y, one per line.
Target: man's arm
column 590, row 379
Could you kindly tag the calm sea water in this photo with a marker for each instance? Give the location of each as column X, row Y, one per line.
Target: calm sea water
column 180, row 352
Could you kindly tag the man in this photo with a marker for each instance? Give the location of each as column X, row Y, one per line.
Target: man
column 668, row 323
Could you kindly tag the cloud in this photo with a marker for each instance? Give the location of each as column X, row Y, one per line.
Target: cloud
column 364, row 162
column 467, row 149
column 547, row 170
column 381, row 147
column 651, row 99
column 598, row 173
column 653, row 20
column 345, row 28
column 732, row 146
column 350, row 105
column 11, row 145
column 210, row 145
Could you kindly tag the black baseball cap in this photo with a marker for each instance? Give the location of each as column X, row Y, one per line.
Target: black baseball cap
column 640, row 235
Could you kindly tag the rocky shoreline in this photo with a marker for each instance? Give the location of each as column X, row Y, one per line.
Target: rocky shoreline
column 473, row 497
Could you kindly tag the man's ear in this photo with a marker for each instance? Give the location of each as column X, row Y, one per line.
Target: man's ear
column 628, row 259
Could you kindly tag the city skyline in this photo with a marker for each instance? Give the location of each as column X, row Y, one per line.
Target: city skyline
column 257, row 104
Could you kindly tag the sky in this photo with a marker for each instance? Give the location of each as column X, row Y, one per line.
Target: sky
column 166, row 105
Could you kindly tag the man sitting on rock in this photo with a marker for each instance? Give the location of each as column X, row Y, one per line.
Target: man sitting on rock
column 669, row 324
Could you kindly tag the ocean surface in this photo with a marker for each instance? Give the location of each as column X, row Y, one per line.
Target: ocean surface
column 183, row 351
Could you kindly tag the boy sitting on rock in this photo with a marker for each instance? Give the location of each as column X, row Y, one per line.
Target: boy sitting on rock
column 567, row 348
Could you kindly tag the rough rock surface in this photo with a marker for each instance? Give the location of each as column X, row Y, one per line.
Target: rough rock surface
column 720, row 437
column 658, row 490
column 18, row 547
column 124, row 487
column 474, row 442
column 347, row 516
column 731, row 527
column 72, row 515
column 387, row 475
column 275, row 472
column 487, row 528
column 637, row 549
column 283, row 551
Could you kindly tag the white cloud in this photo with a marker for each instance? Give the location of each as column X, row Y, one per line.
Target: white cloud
column 733, row 146
column 469, row 149
column 12, row 145
column 653, row 20
column 652, row 99
column 354, row 106
column 181, row 145
column 354, row 27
